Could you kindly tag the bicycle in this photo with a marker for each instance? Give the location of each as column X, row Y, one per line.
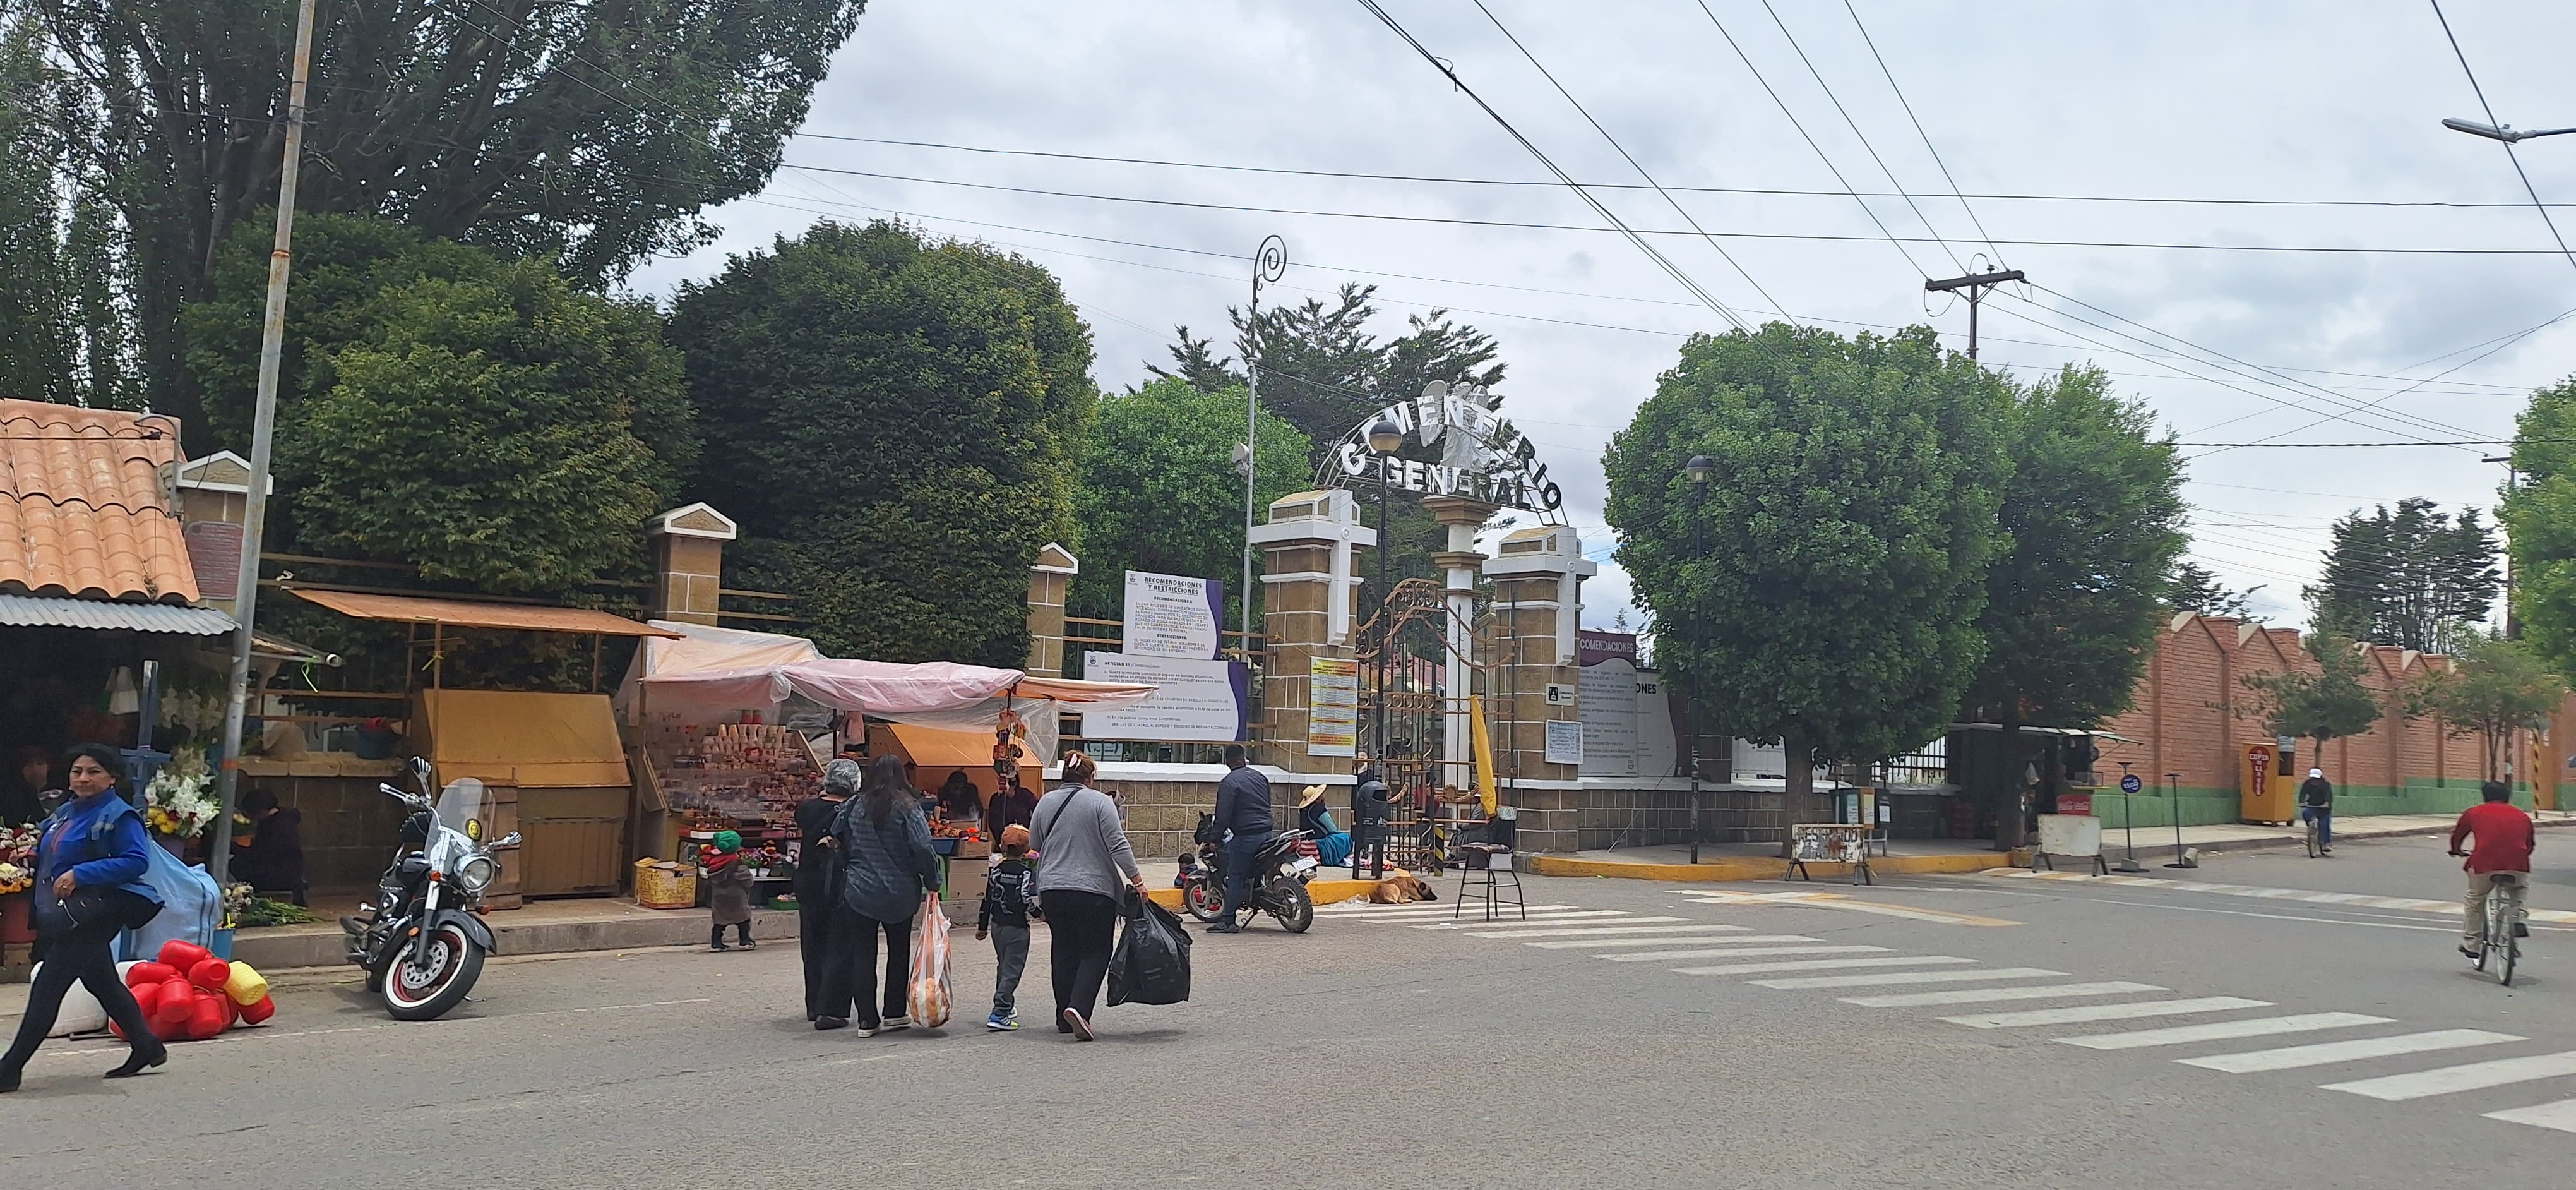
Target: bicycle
column 2501, row 946
column 2310, row 821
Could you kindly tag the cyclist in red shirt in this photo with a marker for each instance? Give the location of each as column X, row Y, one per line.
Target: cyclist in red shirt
column 2504, row 841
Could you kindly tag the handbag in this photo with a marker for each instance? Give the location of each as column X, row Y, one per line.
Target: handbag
column 95, row 910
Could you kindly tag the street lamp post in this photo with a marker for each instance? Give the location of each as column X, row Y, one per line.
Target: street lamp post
column 1698, row 469
column 1268, row 265
column 1383, row 439
column 2503, row 132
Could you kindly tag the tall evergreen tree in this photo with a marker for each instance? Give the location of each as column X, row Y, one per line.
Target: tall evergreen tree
column 2192, row 588
column 2412, row 577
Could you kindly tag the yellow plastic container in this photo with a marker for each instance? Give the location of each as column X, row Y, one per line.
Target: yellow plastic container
column 246, row 987
column 664, row 884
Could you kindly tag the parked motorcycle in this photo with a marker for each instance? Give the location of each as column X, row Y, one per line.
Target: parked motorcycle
column 1279, row 876
column 421, row 943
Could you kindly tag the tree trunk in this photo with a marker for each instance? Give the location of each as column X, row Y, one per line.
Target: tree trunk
column 1798, row 778
column 2012, row 802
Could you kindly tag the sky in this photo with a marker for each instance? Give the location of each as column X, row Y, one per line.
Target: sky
column 2308, row 117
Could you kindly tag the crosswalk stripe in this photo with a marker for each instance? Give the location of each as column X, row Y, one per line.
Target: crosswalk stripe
column 2414, row 904
column 1888, row 978
column 1658, row 956
column 2560, row 1115
column 1443, row 914
column 1820, row 965
column 2296, row 1056
column 1464, row 923
column 2224, row 1030
column 1602, row 931
column 1973, row 995
column 1416, row 909
column 2448, row 1079
column 1668, row 940
column 2104, row 1012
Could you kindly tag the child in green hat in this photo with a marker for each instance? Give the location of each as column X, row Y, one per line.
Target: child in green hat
column 729, row 890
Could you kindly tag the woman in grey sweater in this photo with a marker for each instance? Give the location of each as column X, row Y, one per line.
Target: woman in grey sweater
column 1084, row 863
column 887, row 866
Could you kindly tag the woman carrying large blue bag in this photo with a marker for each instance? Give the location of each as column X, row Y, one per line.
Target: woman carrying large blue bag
column 90, row 863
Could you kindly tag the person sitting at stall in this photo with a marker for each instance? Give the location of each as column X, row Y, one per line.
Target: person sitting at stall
column 1011, row 806
column 22, row 788
column 1332, row 844
column 273, row 860
column 958, row 797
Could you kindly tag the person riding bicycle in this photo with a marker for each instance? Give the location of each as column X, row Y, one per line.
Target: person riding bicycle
column 2316, row 804
column 2505, row 838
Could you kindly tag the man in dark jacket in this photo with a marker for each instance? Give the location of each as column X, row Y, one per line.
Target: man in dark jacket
column 1243, row 814
column 2316, row 803
column 1371, row 806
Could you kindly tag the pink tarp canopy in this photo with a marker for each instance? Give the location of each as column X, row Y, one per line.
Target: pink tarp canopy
column 889, row 690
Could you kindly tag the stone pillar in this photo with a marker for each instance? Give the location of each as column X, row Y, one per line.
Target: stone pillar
column 1049, row 577
column 1459, row 563
column 1310, row 570
column 688, row 563
column 1537, row 575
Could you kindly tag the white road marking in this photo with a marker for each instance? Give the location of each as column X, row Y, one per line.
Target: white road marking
column 2412, row 904
column 2051, row 991
column 1819, row 965
column 1474, row 923
column 2104, row 1012
column 1688, row 936
column 2296, row 1056
column 1885, row 979
column 1603, row 931
column 1414, row 909
column 1830, row 900
column 1657, row 956
column 2560, row 1115
column 2224, row 1030
column 2450, row 1079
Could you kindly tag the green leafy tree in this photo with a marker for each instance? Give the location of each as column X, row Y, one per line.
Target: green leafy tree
column 2539, row 515
column 2192, row 588
column 1848, row 531
column 2411, row 578
column 1160, row 491
column 360, row 279
column 2324, row 704
column 2093, row 510
column 2496, row 689
column 595, row 133
column 64, row 335
column 897, row 423
column 483, row 430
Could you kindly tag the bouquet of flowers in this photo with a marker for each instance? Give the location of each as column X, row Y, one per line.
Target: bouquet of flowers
column 18, row 845
column 180, row 801
column 15, row 879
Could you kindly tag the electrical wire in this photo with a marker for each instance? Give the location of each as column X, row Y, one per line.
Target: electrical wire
column 1928, row 147
column 2509, row 154
column 1866, row 147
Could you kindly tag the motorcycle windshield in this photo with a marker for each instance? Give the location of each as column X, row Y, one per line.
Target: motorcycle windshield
column 466, row 808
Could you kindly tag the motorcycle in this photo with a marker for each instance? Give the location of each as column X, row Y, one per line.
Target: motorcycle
column 421, row 943
column 1278, row 886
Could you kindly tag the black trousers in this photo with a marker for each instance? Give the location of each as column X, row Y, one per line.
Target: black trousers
column 853, row 965
column 1081, row 928
column 813, row 945
column 86, row 957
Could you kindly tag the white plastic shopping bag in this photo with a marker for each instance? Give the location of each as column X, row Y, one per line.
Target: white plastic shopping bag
column 928, row 993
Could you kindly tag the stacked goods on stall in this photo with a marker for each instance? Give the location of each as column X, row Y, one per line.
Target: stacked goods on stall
column 746, row 777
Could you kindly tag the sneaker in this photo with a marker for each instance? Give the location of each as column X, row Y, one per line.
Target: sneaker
column 825, row 1024
column 2521, row 929
column 718, row 948
column 2320, row 851
column 894, row 1022
column 865, row 1031
column 2469, row 950
column 748, row 944
column 1001, row 1022
column 1074, row 1024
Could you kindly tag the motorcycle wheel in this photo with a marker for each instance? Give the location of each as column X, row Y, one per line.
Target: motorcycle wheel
column 441, row 982
column 1205, row 900
column 1292, row 906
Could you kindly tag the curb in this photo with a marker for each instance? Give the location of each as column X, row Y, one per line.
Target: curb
column 1322, row 892
column 1763, row 868
column 311, row 947
column 2341, row 831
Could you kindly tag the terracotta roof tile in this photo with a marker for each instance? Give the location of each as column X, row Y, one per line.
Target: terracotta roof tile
column 82, row 512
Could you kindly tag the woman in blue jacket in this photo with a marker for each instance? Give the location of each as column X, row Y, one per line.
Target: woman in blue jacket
column 89, row 887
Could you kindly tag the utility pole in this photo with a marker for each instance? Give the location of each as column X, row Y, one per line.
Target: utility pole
column 2512, row 475
column 272, row 340
column 1267, row 266
column 1976, row 285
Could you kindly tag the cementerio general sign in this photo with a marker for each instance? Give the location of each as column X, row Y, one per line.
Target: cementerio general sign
column 1482, row 456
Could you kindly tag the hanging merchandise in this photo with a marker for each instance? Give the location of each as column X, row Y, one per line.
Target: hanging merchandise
column 123, row 697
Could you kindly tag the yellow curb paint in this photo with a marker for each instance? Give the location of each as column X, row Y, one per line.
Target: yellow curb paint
column 1322, row 892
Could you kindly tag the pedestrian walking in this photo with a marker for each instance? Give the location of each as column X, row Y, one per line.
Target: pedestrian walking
column 1084, row 864
column 817, row 861
column 1004, row 915
column 2505, row 839
column 2316, row 804
column 90, row 861
column 729, row 895
column 886, row 867
column 1243, row 814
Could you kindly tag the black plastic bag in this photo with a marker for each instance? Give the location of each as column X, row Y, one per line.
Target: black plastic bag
column 1152, row 962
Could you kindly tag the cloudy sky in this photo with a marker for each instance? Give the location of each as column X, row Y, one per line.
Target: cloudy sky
column 2318, row 122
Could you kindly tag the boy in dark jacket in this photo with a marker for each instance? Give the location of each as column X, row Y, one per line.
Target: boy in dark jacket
column 1004, row 916
column 730, row 896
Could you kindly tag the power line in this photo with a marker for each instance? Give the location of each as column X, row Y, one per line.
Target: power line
column 1908, row 105
column 1675, row 203
column 1598, row 207
column 1780, row 192
column 2330, row 445
column 2509, row 154
column 1866, row 147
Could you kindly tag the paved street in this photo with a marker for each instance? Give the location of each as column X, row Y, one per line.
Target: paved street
column 1998, row 1030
